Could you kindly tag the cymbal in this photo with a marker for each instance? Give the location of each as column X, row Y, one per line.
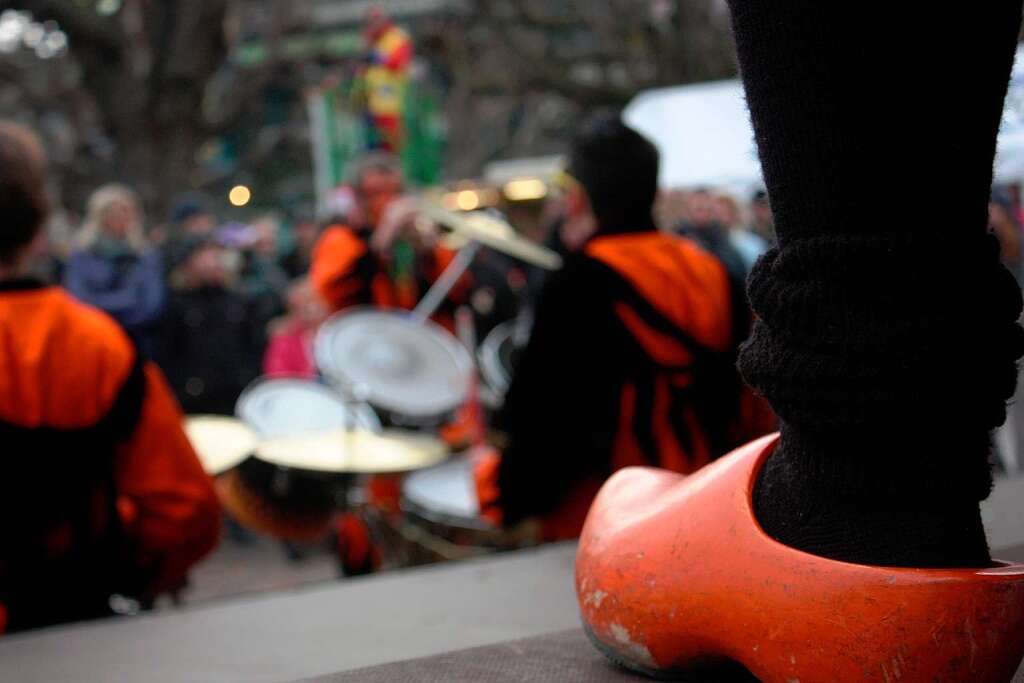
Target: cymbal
column 354, row 452
column 222, row 443
column 494, row 233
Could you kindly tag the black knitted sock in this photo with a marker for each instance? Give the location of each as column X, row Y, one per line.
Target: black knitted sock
column 886, row 337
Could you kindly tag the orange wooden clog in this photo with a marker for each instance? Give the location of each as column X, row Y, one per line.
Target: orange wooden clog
column 675, row 572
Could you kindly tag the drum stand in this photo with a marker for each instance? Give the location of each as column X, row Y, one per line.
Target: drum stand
column 433, row 299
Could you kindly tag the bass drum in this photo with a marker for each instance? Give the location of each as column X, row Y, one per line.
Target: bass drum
column 414, row 374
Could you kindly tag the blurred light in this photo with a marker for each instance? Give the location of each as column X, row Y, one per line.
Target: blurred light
column 12, row 27
column 108, row 7
column 240, row 195
column 526, row 190
column 467, row 200
column 32, row 35
column 470, row 198
column 17, row 29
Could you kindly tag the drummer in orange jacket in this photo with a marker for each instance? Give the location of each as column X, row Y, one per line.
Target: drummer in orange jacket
column 632, row 356
column 366, row 259
column 102, row 493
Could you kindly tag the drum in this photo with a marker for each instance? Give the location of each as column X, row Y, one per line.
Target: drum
column 414, row 374
column 282, row 407
column 497, row 357
column 440, row 519
column 288, row 505
column 287, row 501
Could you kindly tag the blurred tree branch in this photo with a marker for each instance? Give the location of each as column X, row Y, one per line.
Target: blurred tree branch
column 149, row 68
column 524, row 70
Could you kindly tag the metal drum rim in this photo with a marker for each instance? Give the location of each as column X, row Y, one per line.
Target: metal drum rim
column 358, row 407
column 462, row 357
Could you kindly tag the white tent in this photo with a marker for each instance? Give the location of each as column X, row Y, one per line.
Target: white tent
column 1010, row 158
column 703, row 132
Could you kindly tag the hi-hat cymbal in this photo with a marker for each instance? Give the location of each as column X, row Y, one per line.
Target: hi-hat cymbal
column 494, row 233
column 354, row 452
column 222, row 443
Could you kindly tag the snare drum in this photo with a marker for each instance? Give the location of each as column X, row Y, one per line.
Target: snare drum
column 441, row 520
column 414, row 374
column 279, row 407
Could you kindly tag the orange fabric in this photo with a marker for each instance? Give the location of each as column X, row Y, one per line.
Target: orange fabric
column 356, row 549
column 566, row 522
column 62, row 365
column 700, row 305
column 655, row 263
column 333, row 274
column 467, row 427
column 485, row 481
column 384, row 491
column 673, row 571
column 176, row 516
column 49, row 340
column 332, row 271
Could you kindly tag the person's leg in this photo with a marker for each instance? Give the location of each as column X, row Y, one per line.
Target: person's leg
column 886, row 337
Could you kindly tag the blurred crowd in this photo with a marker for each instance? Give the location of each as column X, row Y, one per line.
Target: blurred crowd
column 218, row 303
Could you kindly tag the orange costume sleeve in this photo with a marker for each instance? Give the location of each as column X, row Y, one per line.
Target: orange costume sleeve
column 343, row 276
column 167, row 501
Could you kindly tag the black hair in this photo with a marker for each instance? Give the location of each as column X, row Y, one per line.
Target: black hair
column 618, row 168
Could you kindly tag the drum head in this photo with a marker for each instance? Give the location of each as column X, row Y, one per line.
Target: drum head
column 412, row 369
column 445, row 494
column 222, row 443
column 276, row 407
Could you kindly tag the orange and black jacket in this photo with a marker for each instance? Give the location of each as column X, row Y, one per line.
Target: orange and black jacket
column 631, row 362
column 102, row 493
column 345, row 272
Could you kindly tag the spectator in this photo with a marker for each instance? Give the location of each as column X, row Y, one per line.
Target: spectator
column 296, row 264
column 1003, row 224
column 702, row 226
column 762, row 218
column 211, row 342
column 263, row 282
column 190, row 217
column 728, row 214
column 290, row 351
column 114, row 269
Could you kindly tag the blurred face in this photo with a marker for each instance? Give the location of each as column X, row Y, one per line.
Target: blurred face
column 726, row 212
column 306, row 233
column 200, row 224
column 701, row 207
column 120, row 220
column 762, row 212
column 306, row 306
column 208, row 266
column 266, row 238
column 377, row 189
column 580, row 223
